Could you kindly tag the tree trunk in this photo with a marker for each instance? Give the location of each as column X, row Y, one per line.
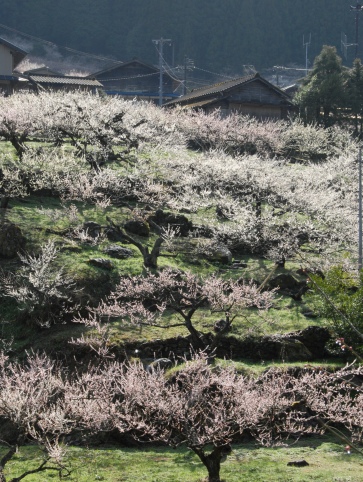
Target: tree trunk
column 214, row 468
column 150, row 260
column 5, row 459
column 212, row 462
column 196, row 340
column 18, row 145
column 4, row 201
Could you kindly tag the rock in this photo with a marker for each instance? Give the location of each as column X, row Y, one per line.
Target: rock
column 220, row 254
column 306, row 271
column 164, row 219
column 138, row 227
column 119, row 252
column 203, row 231
column 288, row 284
column 310, row 314
column 314, row 338
column 221, row 325
column 112, row 234
column 292, row 350
column 101, row 263
column 11, row 240
column 297, row 463
column 284, row 281
column 93, row 229
column 160, row 363
column 239, row 264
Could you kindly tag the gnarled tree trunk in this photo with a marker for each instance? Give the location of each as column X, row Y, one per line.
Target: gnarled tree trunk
column 212, row 462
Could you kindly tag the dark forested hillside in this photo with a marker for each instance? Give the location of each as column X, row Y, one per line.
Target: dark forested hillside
column 220, row 35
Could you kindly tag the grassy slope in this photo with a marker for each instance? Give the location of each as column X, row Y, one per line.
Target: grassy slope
column 33, row 215
column 327, row 462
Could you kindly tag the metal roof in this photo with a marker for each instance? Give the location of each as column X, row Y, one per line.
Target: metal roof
column 77, row 81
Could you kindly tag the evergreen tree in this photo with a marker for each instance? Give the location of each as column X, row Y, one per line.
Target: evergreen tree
column 355, row 95
column 322, row 96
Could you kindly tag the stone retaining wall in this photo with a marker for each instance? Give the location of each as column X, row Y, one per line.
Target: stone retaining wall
column 304, row 345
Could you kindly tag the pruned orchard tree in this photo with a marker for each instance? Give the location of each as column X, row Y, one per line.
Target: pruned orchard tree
column 44, row 293
column 20, row 120
column 203, row 406
column 31, row 398
column 207, row 408
column 92, row 124
column 266, row 201
column 150, row 255
column 143, row 300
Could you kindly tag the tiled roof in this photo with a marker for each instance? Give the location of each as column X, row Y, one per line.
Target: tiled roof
column 42, row 71
column 201, row 103
column 77, row 81
column 222, row 89
column 126, row 64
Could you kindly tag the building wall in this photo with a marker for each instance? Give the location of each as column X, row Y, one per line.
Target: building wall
column 258, row 111
column 6, row 61
column 256, row 92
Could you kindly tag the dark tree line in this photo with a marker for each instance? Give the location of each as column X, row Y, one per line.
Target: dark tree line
column 216, row 34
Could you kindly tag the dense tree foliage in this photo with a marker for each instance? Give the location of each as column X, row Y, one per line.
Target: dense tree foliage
column 332, row 93
column 323, row 92
column 355, row 95
column 216, row 34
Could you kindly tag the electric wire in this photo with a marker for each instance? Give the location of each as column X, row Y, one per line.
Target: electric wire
column 169, row 70
column 47, row 42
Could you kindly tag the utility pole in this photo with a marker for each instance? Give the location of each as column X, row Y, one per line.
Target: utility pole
column 358, row 8
column 160, row 44
column 306, row 45
column 188, row 65
column 360, row 237
column 277, row 69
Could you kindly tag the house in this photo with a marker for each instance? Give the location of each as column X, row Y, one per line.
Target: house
column 136, row 79
column 10, row 57
column 250, row 95
column 43, row 78
column 38, row 79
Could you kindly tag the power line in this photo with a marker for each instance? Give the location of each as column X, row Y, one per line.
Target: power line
column 160, row 43
column 133, row 77
column 52, row 44
column 214, row 73
column 169, row 70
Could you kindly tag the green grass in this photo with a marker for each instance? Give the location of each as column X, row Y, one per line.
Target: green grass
column 247, row 463
column 253, row 368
